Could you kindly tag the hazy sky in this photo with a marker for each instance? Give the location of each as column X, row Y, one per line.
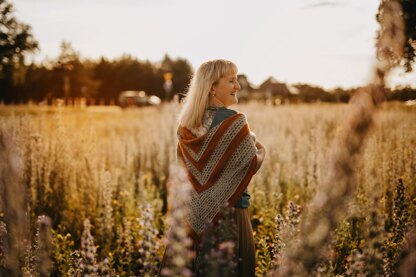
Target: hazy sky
column 326, row 43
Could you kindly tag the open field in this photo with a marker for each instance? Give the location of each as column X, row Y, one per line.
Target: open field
column 111, row 166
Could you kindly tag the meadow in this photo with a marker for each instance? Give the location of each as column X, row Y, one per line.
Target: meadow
column 84, row 190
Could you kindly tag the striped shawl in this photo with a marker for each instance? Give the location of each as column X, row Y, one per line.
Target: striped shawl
column 220, row 165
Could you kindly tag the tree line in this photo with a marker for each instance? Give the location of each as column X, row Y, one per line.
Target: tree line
column 68, row 76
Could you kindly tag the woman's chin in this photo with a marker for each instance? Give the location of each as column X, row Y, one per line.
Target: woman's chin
column 235, row 100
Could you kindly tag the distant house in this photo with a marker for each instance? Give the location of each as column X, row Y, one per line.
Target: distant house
column 274, row 88
column 270, row 91
column 273, row 91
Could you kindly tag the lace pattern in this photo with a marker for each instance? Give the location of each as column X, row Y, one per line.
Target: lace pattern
column 206, row 122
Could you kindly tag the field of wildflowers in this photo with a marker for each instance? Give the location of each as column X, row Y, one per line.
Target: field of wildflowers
column 85, row 192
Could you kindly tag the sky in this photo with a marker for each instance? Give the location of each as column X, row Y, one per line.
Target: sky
column 324, row 43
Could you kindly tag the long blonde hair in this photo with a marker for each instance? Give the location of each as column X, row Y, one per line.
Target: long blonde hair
column 197, row 97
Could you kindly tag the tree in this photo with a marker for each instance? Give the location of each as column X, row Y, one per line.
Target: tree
column 66, row 71
column 409, row 15
column 16, row 40
column 181, row 72
column 409, row 18
column 125, row 73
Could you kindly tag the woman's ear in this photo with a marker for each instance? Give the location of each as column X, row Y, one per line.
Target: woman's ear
column 213, row 87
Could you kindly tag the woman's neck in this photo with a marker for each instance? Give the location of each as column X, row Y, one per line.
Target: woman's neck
column 215, row 106
column 215, row 102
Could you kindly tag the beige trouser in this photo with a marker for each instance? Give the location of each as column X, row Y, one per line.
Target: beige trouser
column 246, row 249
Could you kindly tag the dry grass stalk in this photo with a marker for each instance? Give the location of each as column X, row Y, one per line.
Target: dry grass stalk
column 329, row 204
column 13, row 201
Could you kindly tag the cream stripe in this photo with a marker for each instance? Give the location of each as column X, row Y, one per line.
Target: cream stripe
column 204, row 206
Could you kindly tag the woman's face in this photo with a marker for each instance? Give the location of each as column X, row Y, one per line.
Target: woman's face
column 226, row 90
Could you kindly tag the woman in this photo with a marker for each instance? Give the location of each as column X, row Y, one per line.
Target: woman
column 220, row 155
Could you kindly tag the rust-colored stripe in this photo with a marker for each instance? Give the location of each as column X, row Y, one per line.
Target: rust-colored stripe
column 194, row 182
column 211, row 147
column 195, row 143
column 200, row 164
column 244, row 183
column 235, row 143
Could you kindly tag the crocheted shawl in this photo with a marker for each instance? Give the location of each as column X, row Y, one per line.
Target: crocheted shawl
column 220, row 165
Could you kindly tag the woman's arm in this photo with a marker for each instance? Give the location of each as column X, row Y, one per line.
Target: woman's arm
column 261, row 152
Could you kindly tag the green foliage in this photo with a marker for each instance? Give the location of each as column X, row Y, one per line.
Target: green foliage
column 348, row 236
column 409, row 16
column 263, row 257
column 63, row 247
column 400, row 222
column 16, row 41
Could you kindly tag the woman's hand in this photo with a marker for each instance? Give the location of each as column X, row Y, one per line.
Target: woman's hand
column 259, row 145
column 261, row 151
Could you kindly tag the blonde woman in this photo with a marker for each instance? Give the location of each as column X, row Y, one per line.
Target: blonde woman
column 220, row 155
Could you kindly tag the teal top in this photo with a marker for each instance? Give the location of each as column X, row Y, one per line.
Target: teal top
column 221, row 114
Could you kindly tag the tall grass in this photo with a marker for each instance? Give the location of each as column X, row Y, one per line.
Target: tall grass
column 112, row 169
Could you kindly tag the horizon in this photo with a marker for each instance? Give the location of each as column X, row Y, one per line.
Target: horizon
column 330, row 52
